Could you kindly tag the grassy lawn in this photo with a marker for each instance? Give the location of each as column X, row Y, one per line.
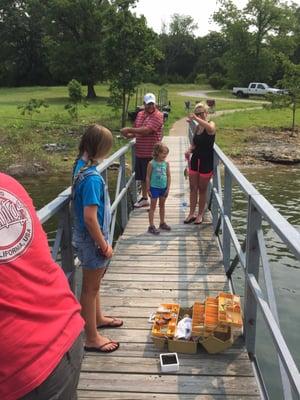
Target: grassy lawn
column 239, row 129
column 22, row 137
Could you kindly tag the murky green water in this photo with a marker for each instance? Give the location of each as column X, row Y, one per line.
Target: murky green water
column 281, row 186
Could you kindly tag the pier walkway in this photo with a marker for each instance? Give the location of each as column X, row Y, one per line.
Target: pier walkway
column 180, row 266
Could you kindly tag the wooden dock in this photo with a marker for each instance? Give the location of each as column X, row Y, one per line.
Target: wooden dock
column 180, row 266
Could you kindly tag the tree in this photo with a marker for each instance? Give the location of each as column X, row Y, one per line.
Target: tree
column 265, row 17
column 210, row 50
column 291, row 95
column 252, row 35
column 75, row 98
column 75, row 40
column 131, row 52
column 23, row 54
column 178, row 47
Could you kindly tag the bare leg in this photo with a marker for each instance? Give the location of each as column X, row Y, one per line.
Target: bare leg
column 144, row 190
column 90, row 287
column 162, row 201
column 203, row 184
column 151, row 211
column 193, row 194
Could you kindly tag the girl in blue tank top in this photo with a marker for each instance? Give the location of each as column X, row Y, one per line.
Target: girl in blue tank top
column 158, row 182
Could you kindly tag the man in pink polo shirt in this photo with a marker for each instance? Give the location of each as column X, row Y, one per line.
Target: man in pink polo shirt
column 147, row 130
column 40, row 324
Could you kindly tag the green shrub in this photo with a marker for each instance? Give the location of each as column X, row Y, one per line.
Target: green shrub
column 75, row 98
column 32, row 106
column 201, row 79
column 217, row 81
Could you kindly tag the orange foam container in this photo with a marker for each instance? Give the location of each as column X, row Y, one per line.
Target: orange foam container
column 165, row 320
column 229, row 310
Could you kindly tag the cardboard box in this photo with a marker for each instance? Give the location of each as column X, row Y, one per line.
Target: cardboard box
column 159, row 342
column 183, row 346
column 217, row 341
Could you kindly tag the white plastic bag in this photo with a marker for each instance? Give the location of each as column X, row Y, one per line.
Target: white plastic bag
column 184, row 329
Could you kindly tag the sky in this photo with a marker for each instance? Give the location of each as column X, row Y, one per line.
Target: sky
column 157, row 11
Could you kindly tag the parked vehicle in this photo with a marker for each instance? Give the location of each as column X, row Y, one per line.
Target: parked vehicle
column 255, row 89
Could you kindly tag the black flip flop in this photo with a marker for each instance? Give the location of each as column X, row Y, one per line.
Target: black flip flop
column 99, row 349
column 189, row 221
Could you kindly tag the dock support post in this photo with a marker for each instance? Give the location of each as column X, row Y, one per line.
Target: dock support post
column 252, row 267
column 67, row 255
column 133, row 186
column 227, row 213
column 124, row 206
column 214, row 207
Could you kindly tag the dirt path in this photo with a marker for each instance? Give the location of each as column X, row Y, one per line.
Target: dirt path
column 210, row 93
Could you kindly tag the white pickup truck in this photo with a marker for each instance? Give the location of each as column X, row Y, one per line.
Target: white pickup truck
column 255, row 89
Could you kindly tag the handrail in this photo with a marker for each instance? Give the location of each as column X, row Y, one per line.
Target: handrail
column 50, row 209
column 60, row 206
column 251, row 254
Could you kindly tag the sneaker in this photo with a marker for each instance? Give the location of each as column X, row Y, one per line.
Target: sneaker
column 141, row 203
column 165, row 227
column 152, row 229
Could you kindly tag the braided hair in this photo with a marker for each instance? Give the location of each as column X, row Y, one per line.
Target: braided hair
column 96, row 142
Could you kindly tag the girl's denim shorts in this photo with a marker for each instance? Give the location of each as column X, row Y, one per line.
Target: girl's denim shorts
column 88, row 252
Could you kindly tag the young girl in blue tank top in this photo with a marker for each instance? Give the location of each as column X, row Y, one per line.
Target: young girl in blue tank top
column 158, row 182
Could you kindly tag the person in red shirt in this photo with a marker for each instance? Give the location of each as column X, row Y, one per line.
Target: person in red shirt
column 147, row 130
column 41, row 344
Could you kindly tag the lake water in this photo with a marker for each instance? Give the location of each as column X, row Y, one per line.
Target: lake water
column 281, row 187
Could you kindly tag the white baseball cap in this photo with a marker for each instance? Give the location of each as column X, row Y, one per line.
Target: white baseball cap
column 149, row 98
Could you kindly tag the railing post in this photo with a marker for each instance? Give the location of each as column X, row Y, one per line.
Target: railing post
column 67, row 255
column 104, row 176
column 214, row 207
column 133, row 186
column 124, row 207
column 227, row 202
column 252, row 267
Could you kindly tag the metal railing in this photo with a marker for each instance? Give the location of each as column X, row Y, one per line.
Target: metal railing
column 252, row 254
column 60, row 207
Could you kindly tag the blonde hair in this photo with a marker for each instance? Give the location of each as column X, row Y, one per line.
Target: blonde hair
column 159, row 148
column 96, row 141
column 201, row 105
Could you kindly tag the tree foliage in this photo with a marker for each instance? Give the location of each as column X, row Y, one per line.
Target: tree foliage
column 22, row 52
column 130, row 53
column 253, row 34
column 291, row 84
column 179, row 48
column 75, row 40
column 54, row 41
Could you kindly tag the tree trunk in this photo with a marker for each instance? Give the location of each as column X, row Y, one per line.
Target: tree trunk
column 294, row 114
column 91, row 94
column 123, row 108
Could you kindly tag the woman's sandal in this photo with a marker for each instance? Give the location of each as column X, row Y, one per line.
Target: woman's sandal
column 189, row 220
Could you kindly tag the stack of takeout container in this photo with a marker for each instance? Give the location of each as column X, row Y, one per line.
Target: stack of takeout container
column 214, row 323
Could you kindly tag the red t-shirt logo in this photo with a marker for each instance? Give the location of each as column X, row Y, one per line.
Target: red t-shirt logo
column 16, row 227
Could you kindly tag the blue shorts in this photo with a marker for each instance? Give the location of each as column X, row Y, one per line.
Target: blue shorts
column 157, row 192
column 88, row 252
